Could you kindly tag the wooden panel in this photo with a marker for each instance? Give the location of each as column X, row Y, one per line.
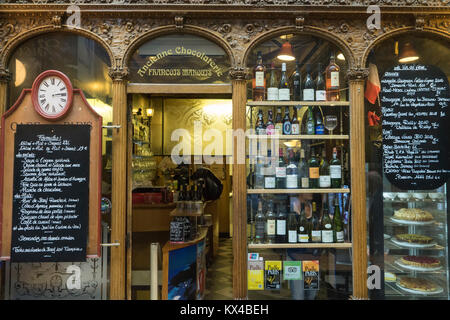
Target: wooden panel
column 239, row 195
column 23, row 112
column 154, row 219
column 119, row 191
column 3, row 90
column 151, row 88
column 358, row 183
column 129, row 248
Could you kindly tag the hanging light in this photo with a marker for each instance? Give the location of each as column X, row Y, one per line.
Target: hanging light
column 341, row 56
column 408, row 53
column 286, row 53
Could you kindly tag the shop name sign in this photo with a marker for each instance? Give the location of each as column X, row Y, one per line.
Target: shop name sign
column 177, row 67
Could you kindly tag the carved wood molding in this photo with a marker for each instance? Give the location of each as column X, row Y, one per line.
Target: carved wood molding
column 118, row 73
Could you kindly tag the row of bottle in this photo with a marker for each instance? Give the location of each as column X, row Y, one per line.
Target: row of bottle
column 190, row 192
column 314, row 124
column 312, row 174
column 325, row 88
column 276, row 226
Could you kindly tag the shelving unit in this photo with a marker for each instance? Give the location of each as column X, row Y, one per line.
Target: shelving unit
column 296, row 191
column 345, row 245
column 298, row 103
column 300, row 137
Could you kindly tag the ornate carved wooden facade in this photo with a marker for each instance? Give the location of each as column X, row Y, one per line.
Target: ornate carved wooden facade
column 121, row 26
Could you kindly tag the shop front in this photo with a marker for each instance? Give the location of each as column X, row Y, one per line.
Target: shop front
column 311, row 135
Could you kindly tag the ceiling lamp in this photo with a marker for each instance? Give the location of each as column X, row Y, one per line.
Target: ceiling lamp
column 408, row 53
column 286, row 53
column 341, row 56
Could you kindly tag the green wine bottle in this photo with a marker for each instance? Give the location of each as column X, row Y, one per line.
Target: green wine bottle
column 338, row 225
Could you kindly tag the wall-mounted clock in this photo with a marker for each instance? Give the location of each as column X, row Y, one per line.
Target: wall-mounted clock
column 52, row 94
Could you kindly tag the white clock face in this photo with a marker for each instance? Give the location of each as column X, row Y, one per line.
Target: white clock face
column 52, row 95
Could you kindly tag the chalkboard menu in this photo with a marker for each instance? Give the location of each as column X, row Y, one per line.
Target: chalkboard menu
column 50, row 193
column 415, row 101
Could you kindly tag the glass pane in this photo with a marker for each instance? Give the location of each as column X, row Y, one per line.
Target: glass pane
column 182, row 58
column 408, row 216
column 298, row 196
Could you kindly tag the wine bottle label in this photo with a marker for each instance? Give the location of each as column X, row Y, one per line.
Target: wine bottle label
column 272, row 94
column 284, row 94
column 320, row 129
column 340, row 236
column 308, row 94
column 291, row 181
column 292, row 236
column 269, row 182
column 310, row 128
column 281, row 227
column 324, row 181
column 259, row 230
column 287, row 128
column 303, row 238
column 278, row 128
column 335, row 172
column 259, row 79
column 314, row 173
column 295, row 129
column 261, row 131
column 280, row 172
column 327, row 235
column 316, row 236
column 335, row 79
column 270, row 129
column 305, row 183
column 271, row 224
column 321, row 95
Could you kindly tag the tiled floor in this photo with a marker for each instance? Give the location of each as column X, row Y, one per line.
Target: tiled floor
column 219, row 284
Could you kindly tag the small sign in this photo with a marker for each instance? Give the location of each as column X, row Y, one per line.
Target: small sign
column 255, row 275
column 292, row 270
column 273, row 275
column 311, row 275
column 253, row 256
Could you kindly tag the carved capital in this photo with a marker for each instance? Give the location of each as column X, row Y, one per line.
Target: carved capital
column 179, row 22
column 5, row 75
column 56, row 21
column 419, row 22
column 300, row 23
column 358, row 74
column 239, row 73
column 118, row 73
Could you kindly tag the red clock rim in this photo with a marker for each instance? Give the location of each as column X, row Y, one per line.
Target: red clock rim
column 34, row 93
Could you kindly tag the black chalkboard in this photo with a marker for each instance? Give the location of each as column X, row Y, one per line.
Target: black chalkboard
column 415, row 126
column 50, row 193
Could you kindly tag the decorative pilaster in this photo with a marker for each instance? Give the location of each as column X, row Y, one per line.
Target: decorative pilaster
column 119, row 180
column 238, row 77
column 356, row 79
column 5, row 78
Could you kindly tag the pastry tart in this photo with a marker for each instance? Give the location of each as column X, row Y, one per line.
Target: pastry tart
column 420, row 262
column 413, row 214
column 417, row 284
column 414, row 238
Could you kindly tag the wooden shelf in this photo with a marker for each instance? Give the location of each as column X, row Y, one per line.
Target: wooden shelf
column 345, row 245
column 300, row 137
column 290, row 191
column 298, row 103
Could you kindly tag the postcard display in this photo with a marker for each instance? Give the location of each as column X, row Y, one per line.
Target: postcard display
column 415, row 100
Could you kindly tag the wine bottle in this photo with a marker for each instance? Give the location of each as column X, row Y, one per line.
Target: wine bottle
column 332, row 79
column 272, row 90
column 313, row 165
column 310, row 123
column 297, row 84
column 335, row 171
column 326, row 226
column 321, row 93
column 324, row 172
column 287, row 127
column 283, row 89
column 303, row 175
column 259, row 79
column 269, row 174
column 278, row 122
column 316, row 233
column 292, row 227
column 280, row 172
column 338, row 225
column 260, row 224
column 295, row 127
column 291, row 172
column 303, row 234
column 308, row 86
column 259, row 173
column 319, row 128
column 271, row 223
column 260, row 128
column 270, row 127
column 281, row 225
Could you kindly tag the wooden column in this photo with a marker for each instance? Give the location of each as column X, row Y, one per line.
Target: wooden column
column 358, row 182
column 119, row 184
column 239, row 187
